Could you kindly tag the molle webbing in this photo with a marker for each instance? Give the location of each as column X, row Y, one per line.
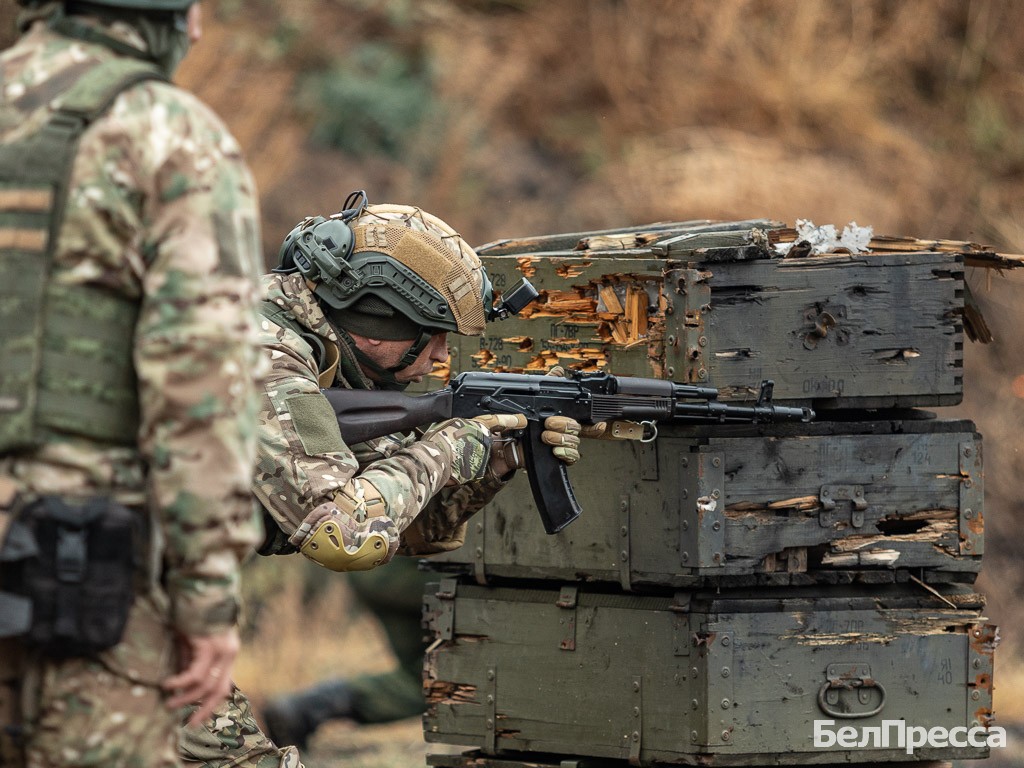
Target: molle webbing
column 66, row 349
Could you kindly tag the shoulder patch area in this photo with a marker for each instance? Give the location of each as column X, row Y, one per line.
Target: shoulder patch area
column 315, row 423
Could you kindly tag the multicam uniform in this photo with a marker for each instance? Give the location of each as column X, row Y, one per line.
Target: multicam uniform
column 161, row 213
column 303, row 466
column 395, row 484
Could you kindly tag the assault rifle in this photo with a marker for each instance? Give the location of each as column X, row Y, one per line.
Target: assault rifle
column 587, row 397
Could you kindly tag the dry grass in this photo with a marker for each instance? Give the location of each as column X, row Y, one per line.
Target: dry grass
column 304, row 627
column 308, row 627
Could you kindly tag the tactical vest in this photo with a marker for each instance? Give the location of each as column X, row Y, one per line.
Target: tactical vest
column 66, row 350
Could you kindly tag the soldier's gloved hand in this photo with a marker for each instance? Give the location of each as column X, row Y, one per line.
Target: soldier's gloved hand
column 466, row 444
column 506, row 453
column 585, row 430
column 560, row 432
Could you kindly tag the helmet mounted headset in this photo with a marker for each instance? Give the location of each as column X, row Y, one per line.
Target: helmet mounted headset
column 352, row 278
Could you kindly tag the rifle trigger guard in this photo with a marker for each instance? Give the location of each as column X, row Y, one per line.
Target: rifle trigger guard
column 650, row 431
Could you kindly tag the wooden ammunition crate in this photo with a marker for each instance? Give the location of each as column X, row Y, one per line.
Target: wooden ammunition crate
column 704, row 678
column 825, row 502
column 715, row 305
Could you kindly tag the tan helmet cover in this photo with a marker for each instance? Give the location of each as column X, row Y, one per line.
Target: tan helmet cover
column 433, row 250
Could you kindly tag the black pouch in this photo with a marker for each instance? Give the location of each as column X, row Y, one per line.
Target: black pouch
column 74, row 563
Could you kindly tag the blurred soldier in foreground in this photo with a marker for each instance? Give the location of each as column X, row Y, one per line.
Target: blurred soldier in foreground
column 394, row 596
column 365, row 299
column 128, row 273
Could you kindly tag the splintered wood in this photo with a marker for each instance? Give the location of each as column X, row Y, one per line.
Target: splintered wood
column 975, row 254
column 624, row 325
column 440, row 692
column 616, row 242
column 526, row 266
column 573, row 269
column 559, row 304
column 591, row 312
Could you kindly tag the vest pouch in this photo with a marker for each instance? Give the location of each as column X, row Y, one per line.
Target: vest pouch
column 17, row 545
column 78, row 575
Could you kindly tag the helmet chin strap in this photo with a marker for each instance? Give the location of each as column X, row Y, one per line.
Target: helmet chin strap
column 386, row 376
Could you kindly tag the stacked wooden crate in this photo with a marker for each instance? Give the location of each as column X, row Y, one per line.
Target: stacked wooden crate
column 728, row 588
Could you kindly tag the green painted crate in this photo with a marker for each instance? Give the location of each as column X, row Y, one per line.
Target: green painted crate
column 703, row 678
column 712, row 304
column 825, row 502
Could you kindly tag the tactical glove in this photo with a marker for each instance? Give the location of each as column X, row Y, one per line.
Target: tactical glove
column 560, row 432
column 466, row 444
column 596, row 431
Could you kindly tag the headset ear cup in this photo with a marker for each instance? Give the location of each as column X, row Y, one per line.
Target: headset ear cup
column 286, row 255
column 336, row 237
column 320, row 253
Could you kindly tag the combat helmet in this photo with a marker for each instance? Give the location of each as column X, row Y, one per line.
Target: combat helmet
column 391, row 272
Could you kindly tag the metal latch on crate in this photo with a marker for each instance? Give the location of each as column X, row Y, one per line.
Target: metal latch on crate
column 826, row 322
column 567, row 600
column 850, row 692
column 830, row 495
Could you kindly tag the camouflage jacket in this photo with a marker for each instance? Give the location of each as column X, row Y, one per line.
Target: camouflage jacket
column 161, row 210
column 294, row 476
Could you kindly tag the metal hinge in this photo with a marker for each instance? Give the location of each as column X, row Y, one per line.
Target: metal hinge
column 680, row 608
column 625, row 561
column 702, row 510
column 439, row 609
column 830, row 514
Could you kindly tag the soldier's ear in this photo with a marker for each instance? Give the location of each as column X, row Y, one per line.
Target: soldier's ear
column 195, row 23
column 361, row 340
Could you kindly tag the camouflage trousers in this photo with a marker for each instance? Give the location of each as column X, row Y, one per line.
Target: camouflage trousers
column 233, row 739
column 105, row 710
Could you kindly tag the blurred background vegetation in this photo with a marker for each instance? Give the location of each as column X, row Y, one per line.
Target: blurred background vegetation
column 516, row 117
column 520, row 116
